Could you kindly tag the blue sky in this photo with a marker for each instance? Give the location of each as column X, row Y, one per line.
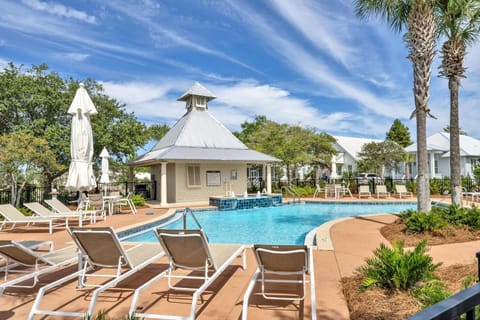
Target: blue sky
column 300, row 62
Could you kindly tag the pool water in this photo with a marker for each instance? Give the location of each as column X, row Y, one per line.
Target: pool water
column 286, row 224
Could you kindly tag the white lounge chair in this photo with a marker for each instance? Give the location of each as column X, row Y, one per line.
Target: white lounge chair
column 381, row 191
column 58, row 207
column 402, row 191
column 364, row 191
column 33, row 263
column 127, row 201
column 318, row 190
column 42, row 211
column 190, row 250
column 101, row 249
column 286, row 263
column 12, row 216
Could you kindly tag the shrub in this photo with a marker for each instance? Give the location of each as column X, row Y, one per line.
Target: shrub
column 395, row 268
column 430, row 293
column 421, row 221
column 138, row 200
column 457, row 215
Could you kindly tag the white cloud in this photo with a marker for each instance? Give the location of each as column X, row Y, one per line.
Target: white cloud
column 155, row 102
column 60, row 10
column 77, row 56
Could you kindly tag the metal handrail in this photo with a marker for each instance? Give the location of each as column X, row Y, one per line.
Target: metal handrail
column 290, row 190
column 184, row 216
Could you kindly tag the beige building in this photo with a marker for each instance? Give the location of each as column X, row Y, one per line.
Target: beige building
column 199, row 157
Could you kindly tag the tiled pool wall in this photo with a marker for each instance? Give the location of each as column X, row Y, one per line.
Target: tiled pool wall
column 245, row 203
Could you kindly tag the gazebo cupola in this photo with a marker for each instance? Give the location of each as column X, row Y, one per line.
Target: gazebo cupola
column 197, row 97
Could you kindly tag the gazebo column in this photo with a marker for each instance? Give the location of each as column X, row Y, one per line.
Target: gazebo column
column 269, row 178
column 163, row 184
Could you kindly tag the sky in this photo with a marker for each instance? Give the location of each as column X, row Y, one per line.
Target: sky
column 306, row 62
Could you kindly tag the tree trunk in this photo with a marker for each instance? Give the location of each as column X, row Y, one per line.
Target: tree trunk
column 455, row 174
column 421, row 42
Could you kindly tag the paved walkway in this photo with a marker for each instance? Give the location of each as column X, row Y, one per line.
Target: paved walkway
column 352, row 240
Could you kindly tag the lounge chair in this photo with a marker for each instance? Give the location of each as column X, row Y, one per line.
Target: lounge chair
column 381, row 191
column 286, row 263
column 364, row 191
column 101, row 249
column 402, row 191
column 31, row 244
column 190, row 250
column 12, row 216
column 58, row 207
column 32, row 262
column 318, row 190
column 42, row 211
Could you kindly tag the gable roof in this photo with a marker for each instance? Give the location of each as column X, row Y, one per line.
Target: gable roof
column 353, row 146
column 440, row 141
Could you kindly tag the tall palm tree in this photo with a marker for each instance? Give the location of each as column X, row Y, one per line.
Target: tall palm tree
column 459, row 23
column 418, row 17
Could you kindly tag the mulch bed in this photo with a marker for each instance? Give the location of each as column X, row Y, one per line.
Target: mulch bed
column 377, row 304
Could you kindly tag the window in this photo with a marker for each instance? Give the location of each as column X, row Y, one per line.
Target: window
column 435, row 163
column 475, row 163
column 193, row 176
column 213, row 178
column 350, row 168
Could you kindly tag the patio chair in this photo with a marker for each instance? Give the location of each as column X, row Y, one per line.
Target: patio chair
column 58, row 207
column 364, row 191
column 12, row 216
column 190, row 250
column 381, row 191
column 31, row 262
column 31, row 244
column 127, row 201
column 318, row 190
column 101, row 249
column 96, row 206
column 282, row 264
column 402, row 191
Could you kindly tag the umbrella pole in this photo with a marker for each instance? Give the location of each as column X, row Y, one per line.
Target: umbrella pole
column 80, row 255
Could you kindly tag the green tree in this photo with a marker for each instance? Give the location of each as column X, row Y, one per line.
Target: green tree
column 293, row 144
column 459, row 22
column 36, row 101
column 382, row 155
column 399, row 133
column 418, row 17
column 22, row 156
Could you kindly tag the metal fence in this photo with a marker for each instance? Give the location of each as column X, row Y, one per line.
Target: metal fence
column 147, row 190
column 458, row 306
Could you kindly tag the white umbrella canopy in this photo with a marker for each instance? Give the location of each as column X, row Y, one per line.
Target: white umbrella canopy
column 80, row 173
column 105, row 178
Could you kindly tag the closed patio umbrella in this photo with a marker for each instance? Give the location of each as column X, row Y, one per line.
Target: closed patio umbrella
column 104, row 178
column 80, row 174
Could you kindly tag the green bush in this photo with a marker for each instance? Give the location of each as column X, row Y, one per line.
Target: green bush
column 430, row 293
column 395, row 268
column 138, row 200
column 422, row 221
column 457, row 215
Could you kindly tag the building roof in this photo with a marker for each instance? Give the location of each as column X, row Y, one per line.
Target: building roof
column 440, row 142
column 199, row 136
column 353, row 146
column 197, row 90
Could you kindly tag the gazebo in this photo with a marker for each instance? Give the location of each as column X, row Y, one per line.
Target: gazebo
column 199, row 157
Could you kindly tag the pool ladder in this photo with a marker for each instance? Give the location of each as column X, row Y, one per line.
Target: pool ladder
column 184, row 217
column 295, row 196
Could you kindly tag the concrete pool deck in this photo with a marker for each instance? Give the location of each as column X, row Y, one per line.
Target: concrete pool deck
column 352, row 240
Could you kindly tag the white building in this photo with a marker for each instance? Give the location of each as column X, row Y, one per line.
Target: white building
column 438, row 148
column 199, row 157
column 347, row 157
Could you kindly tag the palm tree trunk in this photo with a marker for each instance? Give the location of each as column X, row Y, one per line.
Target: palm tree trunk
column 455, row 174
column 421, row 42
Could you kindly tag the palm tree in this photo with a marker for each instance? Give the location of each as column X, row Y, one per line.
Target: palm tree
column 418, row 17
column 459, row 22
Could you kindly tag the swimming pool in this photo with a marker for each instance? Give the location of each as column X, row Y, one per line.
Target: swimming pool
column 287, row 224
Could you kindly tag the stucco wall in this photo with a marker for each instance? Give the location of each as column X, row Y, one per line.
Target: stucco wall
column 189, row 194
